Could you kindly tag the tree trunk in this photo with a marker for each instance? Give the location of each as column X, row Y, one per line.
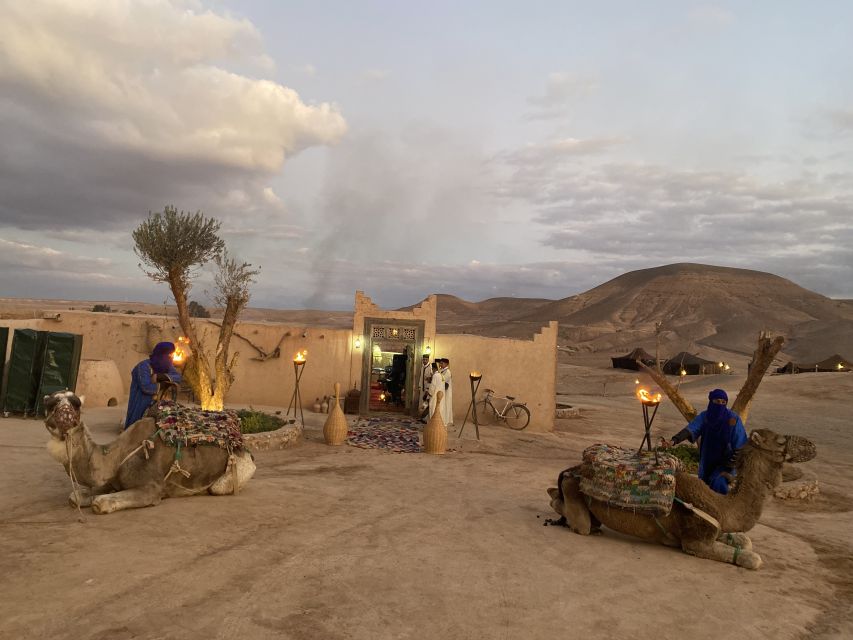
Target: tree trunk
column 762, row 358
column 197, row 369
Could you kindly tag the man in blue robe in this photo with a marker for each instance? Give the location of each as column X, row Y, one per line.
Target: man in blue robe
column 720, row 433
column 146, row 378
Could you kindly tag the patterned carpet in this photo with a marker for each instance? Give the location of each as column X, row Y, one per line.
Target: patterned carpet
column 394, row 433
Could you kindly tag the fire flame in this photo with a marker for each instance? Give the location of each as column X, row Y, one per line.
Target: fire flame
column 647, row 398
column 180, row 354
column 475, row 374
column 301, row 356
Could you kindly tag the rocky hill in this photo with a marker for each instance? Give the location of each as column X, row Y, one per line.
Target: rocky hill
column 699, row 307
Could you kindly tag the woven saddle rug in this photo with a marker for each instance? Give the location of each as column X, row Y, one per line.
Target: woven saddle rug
column 624, row 479
column 181, row 426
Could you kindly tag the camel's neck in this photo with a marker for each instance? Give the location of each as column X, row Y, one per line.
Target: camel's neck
column 94, row 465
column 755, row 483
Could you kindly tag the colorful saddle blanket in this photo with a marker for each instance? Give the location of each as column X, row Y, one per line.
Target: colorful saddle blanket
column 181, row 426
column 624, row 479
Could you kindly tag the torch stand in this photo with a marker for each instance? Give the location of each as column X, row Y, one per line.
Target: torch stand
column 647, row 423
column 296, row 398
column 472, row 408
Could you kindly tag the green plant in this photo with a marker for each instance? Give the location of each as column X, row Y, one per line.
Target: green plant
column 688, row 455
column 252, row 421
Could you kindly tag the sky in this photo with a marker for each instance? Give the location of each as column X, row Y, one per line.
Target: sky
column 480, row 149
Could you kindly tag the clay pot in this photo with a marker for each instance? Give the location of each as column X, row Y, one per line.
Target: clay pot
column 324, row 406
column 335, row 429
column 435, row 433
column 316, row 406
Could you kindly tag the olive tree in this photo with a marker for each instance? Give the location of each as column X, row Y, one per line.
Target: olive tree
column 173, row 246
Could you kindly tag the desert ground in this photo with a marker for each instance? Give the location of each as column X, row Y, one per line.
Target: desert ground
column 340, row 542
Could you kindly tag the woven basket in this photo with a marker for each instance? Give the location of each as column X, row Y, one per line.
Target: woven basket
column 335, row 429
column 435, row 433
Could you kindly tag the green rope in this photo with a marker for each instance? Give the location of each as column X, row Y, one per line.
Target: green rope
column 737, row 553
column 729, row 539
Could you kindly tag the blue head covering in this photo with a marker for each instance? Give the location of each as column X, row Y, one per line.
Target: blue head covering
column 717, row 414
column 161, row 357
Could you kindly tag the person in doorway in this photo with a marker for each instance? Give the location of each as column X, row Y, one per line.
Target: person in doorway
column 426, row 378
column 447, row 405
column 720, row 433
column 147, row 378
column 435, row 385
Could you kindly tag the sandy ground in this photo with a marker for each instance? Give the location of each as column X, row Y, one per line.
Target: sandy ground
column 348, row 543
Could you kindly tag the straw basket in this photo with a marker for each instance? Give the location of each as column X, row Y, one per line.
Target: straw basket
column 335, row 429
column 435, row 433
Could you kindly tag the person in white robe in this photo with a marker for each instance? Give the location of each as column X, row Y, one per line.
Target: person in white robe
column 447, row 404
column 426, row 378
column 436, row 385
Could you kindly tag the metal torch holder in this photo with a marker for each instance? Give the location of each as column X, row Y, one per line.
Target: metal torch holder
column 472, row 408
column 296, row 398
column 647, row 423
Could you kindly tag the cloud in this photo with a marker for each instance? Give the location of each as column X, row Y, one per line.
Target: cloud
column 375, row 75
column 562, row 91
column 127, row 99
column 710, row 15
column 841, row 120
column 306, row 69
column 640, row 215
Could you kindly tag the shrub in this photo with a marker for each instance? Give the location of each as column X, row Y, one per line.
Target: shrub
column 252, row 421
column 101, row 308
column 688, row 455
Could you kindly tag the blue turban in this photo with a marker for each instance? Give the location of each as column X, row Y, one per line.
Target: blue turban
column 717, row 414
column 161, row 357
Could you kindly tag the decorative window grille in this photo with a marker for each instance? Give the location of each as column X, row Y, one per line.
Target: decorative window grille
column 378, row 332
column 408, row 334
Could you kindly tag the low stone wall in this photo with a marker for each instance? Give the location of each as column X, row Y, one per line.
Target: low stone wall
column 287, row 436
column 566, row 411
column 802, row 488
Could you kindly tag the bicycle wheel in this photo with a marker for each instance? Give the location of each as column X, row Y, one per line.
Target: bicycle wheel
column 517, row 417
column 486, row 413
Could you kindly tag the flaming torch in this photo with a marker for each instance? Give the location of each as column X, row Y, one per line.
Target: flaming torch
column 648, row 400
column 180, row 354
column 299, row 361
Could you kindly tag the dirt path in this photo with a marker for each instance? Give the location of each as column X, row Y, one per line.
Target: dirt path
column 349, row 543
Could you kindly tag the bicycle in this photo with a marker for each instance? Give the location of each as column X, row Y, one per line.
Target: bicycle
column 516, row 415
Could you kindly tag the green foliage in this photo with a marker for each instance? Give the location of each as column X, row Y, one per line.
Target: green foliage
column 198, row 311
column 252, row 421
column 101, row 308
column 688, row 455
column 172, row 243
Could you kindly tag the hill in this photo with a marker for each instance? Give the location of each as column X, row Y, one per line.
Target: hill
column 699, row 307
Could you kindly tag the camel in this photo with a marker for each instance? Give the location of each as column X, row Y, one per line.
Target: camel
column 702, row 523
column 137, row 469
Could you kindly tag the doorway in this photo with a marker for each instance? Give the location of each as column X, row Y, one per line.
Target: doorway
column 388, row 371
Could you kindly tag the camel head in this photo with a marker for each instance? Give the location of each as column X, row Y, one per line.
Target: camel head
column 62, row 413
column 774, row 449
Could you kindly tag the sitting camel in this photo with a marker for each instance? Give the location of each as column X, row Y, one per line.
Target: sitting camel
column 701, row 522
column 699, row 516
column 137, row 469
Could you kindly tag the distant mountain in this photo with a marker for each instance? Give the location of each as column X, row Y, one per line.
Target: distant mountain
column 699, row 306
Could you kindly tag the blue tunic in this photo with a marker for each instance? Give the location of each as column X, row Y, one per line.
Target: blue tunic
column 717, row 447
column 143, row 389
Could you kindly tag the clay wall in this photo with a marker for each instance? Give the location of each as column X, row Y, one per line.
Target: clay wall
column 526, row 369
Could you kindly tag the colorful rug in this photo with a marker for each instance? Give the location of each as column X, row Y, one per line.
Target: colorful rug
column 624, row 479
column 399, row 434
column 180, row 426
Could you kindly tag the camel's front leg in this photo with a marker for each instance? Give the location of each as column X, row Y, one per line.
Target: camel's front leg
column 146, row 496
column 82, row 497
column 736, row 540
column 720, row 552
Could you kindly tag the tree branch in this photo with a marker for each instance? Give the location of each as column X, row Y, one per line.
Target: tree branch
column 762, row 358
column 680, row 402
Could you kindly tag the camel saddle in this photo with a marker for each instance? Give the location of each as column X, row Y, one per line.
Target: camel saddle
column 626, row 479
column 180, row 426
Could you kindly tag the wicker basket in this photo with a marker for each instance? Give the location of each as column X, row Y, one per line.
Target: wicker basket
column 435, row 433
column 335, row 429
